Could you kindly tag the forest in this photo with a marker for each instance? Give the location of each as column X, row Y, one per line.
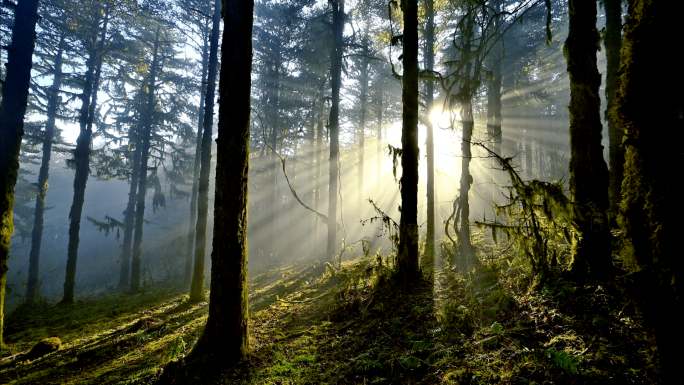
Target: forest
column 340, row 192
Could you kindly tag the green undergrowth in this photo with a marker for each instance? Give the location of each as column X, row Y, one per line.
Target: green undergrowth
column 311, row 323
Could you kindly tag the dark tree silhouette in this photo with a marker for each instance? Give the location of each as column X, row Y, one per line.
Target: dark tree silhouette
column 226, row 332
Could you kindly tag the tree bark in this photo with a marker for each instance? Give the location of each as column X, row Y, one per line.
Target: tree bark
column 196, row 168
column 466, row 180
column 430, row 141
column 336, row 81
column 319, row 153
column 82, row 160
column 43, row 174
column 134, row 136
column 142, row 182
column 226, row 332
column 591, row 252
column 362, row 124
column 407, row 254
column 197, row 292
column 494, row 97
column 616, row 158
column 651, row 209
column 15, row 90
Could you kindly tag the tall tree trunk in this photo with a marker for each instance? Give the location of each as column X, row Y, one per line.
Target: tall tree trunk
column 494, row 97
column 466, row 180
column 616, row 158
column 588, row 170
column 15, row 90
column 226, row 332
column 362, row 125
column 651, row 209
column 407, row 254
column 336, row 82
column 82, row 159
column 197, row 292
column 274, row 101
column 142, row 182
column 319, row 160
column 196, row 167
column 43, row 175
column 134, row 136
column 430, row 141
column 378, row 149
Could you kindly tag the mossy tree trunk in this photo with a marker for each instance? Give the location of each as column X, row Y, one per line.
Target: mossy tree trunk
column 613, row 43
column 82, row 156
column 336, row 82
column 43, row 174
column 196, row 167
column 408, row 269
column 588, row 171
column 226, row 333
column 430, row 141
column 651, row 210
column 15, row 91
column 146, row 134
column 197, row 292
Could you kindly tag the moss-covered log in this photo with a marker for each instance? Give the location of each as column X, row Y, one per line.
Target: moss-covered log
column 651, row 211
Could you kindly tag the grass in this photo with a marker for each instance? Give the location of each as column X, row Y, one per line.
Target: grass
column 313, row 325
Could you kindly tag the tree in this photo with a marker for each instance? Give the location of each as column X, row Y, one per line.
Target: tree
column 407, row 255
column 335, row 81
column 651, row 209
column 93, row 42
column 48, row 136
column 197, row 287
column 588, row 171
column 430, row 141
column 197, row 19
column 616, row 158
column 226, row 332
column 15, row 90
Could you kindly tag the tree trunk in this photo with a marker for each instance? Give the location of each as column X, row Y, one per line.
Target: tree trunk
column 197, row 292
column 129, row 220
column 430, row 141
column 82, row 160
column 319, row 148
column 378, row 150
column 651, row 209
column 362, row 125
column 588, row 170
column 336, row 81
column 196, row 168
column 466, row 180
column 616, row 158
column 226, row 333
column 43, row 175
column 142, row 182
column 494, row 98
column 15, row 90
column 407, row 254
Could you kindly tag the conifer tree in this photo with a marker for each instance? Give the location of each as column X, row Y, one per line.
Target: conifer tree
column 15, row 89
column 226, row 333
column 651, row 208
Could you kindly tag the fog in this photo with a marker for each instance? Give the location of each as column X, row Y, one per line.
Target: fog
column 291, row 100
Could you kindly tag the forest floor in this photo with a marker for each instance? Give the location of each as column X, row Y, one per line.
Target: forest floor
column 311, row 324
